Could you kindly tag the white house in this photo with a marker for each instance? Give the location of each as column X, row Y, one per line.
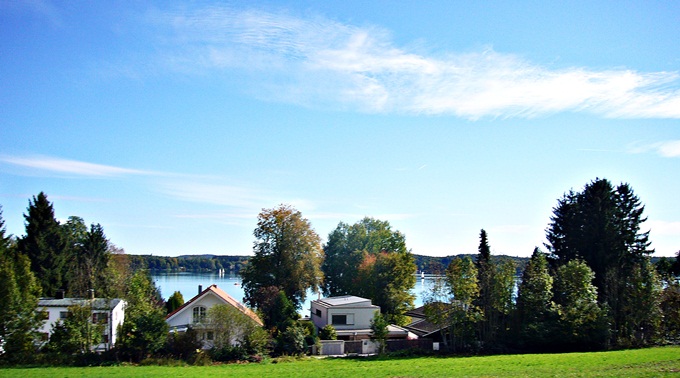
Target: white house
column 351, row 317
column 194, row 313
column 108, row 312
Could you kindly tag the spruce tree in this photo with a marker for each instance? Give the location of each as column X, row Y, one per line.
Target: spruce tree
column 602, row 226
column 44, row 244
column 485, row 278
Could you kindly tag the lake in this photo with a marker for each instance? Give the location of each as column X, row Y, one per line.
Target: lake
column 187, row 284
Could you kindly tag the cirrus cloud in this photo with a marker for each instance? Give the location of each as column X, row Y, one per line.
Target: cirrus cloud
column 316, row 61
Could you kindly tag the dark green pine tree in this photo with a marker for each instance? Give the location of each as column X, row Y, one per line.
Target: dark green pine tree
column 44, row 244
column 485, row 277
column 601, row 226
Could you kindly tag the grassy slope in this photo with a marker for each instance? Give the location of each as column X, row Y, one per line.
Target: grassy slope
column 640, row 363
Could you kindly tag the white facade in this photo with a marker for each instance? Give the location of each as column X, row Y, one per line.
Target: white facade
column 350, row 315
column 108, row 312
column 194, row 314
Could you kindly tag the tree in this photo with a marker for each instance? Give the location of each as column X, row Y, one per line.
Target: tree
column 19, row 293
column 230, row 326
column 89, row 256
column 534, row 302
column 581, row 320
column 461, row 312
column 144, row 330
column 288, row 256
column 369, row 259
column 75, row 334
column 44, row 244
column 496, row 283
column 601, row 226
column 175, row 301
column 379, row 330
column 328, row 332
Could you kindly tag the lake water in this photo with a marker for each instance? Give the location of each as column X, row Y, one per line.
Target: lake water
column 187, row 284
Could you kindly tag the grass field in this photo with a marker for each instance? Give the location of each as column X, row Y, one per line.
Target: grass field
column 653, row 362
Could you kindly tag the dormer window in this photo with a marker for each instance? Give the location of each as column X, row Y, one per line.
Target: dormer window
column 199, row 314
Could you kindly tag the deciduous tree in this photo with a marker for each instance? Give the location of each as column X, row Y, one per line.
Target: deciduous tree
column 288, row 255
column 19, row 292
column 370, row 260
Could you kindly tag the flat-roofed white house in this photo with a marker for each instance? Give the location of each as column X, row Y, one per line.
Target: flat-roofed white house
column 351, row 317
column 108, row 312
column 194, row 314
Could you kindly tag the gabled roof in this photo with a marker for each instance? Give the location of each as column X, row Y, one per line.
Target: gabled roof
column 226, row 298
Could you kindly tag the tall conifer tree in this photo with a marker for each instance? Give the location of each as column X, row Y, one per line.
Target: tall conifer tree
column 44, row 244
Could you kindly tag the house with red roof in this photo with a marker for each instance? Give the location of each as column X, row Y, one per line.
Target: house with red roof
column 194, row 314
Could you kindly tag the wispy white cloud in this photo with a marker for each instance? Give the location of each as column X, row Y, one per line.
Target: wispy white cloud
column 320, row 62
column 669, row 148
column 57, row 165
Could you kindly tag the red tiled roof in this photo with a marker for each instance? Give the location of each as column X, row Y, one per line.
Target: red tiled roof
column 225, row 297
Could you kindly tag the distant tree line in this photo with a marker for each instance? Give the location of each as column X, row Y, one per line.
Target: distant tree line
column 189, row 263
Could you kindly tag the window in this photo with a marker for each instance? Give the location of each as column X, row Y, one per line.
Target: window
column 339, row 319
column 199, row 314
column 318, row 312
column 210, row 336
column 99, row 318
column 105, row 339
column 63, row 314
column 345, row 319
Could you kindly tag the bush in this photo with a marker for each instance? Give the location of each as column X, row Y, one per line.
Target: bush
column 328, row 333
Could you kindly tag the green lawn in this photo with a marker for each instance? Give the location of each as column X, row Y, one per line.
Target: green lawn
column 651, row 362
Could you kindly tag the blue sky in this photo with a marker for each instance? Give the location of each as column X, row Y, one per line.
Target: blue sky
column 174, row 124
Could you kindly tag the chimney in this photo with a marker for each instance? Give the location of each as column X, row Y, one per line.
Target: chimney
column 200, row 289
column 91, row 291
column 60, row 294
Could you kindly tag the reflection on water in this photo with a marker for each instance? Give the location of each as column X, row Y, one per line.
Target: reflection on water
column 187, row 284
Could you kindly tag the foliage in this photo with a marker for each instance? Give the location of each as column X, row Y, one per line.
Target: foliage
column 175, row 301
column 581, row 321
column 189, row 263
column 328, row 333
column 182, row 345
column 291, row 341
column 229, row 324
column 19, row 293
column 370, row 260
column 144, row 330
column 534, row 303
column 44, row 244
column 495, row 301
column 670, row 310
column 76, row 334
column 462, row 314
column 288, row 255
column 379, row 330
column 89, row 257
column 602, row 226
column 276, row 311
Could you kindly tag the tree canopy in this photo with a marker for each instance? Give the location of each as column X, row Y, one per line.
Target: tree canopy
column 288, row 256
column 370, row 260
